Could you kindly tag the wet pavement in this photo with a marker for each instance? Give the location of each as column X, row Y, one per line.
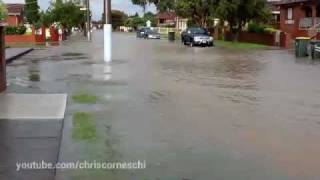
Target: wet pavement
column 13, row 53
column 191, row 113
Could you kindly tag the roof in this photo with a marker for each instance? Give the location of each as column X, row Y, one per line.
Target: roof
column 167, row 15
column 15, row 9
column 291, row 1
column 273, row 6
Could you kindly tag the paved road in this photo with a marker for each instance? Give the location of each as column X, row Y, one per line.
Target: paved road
column 191, row 113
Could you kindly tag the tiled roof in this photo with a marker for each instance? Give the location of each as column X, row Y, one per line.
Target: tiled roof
column 15, row 8
column 167, row 15
column 273, row 5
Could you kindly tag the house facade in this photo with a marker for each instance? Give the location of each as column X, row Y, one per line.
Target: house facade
column 275, row 13
column 15, row 14
column 170, row 19
column 300, row 17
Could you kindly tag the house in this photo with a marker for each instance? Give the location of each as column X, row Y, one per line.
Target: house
column 300, row 17
column 15, row 14
column 170, row 19
column 275, row 13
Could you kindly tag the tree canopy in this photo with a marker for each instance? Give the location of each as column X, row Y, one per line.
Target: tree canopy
column 3, row 11
column 162, row 5
column 67, row 14
column 240, row 12
column 32, row 11
column 137, row 21
column 118, row 18
column 198, row 11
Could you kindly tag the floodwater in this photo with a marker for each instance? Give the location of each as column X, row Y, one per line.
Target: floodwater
column 190, row 113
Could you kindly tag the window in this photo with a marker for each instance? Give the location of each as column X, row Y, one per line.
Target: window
column 289, row 13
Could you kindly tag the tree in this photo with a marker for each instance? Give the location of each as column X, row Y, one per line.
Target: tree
column 149, row 16
column 142, row 3
column 32, row 11
column 162, row 5
column 197, row 11
column 68, row 14
column 3, row 11
column 118, row 18
column 239, row 12
column 46, row 18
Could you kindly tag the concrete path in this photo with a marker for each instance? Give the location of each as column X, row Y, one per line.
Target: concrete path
column 13, row 53
column 30, row 131
column 27, row 142
column 32, row 106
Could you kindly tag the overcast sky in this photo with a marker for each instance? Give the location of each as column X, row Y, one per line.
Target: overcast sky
column 96, row 6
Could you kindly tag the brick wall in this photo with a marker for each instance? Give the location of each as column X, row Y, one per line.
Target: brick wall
column 33, row 38
column 14, row 20
column 297, row 14
column 257, row 38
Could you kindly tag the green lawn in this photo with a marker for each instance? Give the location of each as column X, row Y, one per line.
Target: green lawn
column 84, row 98
column 84, row 126
column 239, row 45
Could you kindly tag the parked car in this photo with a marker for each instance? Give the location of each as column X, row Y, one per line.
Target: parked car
column 196, row 36
column 147, row 33
column 151, row 34
column 141, row 32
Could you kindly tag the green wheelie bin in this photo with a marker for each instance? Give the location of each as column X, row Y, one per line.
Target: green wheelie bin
column 301, row 46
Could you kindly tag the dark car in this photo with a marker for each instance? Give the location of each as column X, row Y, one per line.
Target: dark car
column 196, row 36
column 141, row 32
column 151, row 34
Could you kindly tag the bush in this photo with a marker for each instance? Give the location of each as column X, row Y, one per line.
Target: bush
column 15, row 30
column 255, row 28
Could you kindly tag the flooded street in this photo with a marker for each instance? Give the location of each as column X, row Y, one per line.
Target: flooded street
column 190, row 113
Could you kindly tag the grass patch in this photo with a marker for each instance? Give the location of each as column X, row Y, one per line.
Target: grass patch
column 238, row 45
column 84, row 126
column 84, row 98
column 34, row 77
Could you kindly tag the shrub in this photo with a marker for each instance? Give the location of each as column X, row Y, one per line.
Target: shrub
column 255, row 28
column 270, row 30
column 15, row 30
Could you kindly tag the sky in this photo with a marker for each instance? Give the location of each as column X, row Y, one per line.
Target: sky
column 97, row 6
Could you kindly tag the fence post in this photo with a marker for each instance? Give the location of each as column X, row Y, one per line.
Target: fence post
column 3, row 82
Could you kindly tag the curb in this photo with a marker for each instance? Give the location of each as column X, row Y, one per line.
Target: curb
column 10, row 59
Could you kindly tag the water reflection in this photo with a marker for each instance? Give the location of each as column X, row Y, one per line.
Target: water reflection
column 101, row 72
column 34, row 71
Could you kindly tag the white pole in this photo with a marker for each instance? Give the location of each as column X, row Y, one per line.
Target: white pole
column 107, row 32
column 88, row 21
column 107, row 42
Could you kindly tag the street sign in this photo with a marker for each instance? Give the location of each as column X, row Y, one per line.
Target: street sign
column 83, row 9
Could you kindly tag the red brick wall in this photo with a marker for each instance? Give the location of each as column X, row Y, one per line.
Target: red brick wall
column 285, row 40
column 3, row 82
column 297, row 14
column 257, row 38
column 20, row 39
column 14, row 20
column 27, row 38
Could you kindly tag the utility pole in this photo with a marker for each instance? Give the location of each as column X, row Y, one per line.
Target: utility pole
column 88, row 20
column 107, row 32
